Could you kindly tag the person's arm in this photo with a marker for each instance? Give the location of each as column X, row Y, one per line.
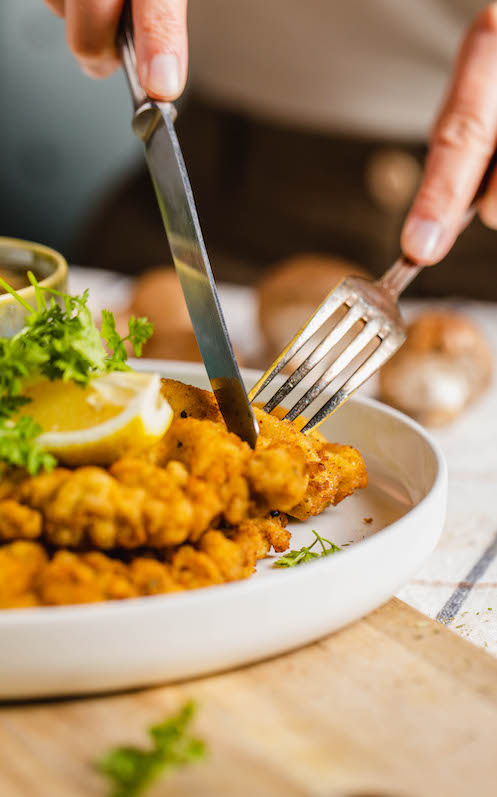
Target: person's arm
column 463, row 141
column 160, row 40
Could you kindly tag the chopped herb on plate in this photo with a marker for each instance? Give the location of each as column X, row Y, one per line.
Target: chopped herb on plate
column 306, row 554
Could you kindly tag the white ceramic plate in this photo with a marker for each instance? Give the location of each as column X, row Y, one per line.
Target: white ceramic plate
column 138, row 642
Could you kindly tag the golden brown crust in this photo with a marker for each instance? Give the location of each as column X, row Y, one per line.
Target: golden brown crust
column 317, row 473
column 207, row 504
column 191, row 402
column 202, row 476
column 20, row 566
column 332, row 471
column 19, row 522
column 29, row 578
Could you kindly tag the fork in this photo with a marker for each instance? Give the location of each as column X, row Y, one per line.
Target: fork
column 373, row 304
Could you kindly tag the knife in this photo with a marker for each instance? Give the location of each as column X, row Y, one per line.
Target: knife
column 153, row 123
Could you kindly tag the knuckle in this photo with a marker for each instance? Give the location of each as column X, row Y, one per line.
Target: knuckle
column 162, row 27
column 82, row 47
column 461, row 129
column 89, row 48
column 439, row 192
column 97, row 69
column 436, row 196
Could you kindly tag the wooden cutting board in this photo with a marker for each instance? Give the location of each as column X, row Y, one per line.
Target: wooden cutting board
column 393, row 706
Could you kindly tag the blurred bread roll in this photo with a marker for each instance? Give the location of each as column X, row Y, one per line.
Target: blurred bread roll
column 291, row 292
column 442, row 367
column 179, row 344
column 158, row 295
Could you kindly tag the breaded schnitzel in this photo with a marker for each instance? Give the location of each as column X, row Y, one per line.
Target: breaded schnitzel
column 201, row 476
column 28, row 577
column 202, row 500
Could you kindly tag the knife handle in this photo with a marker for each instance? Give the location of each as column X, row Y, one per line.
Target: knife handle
column 126, row 48
column 144, row 106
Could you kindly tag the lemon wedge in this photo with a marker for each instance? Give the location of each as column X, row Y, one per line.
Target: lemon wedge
column 116, row 414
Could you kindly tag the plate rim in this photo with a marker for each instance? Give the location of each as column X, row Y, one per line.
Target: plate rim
column 86, row 611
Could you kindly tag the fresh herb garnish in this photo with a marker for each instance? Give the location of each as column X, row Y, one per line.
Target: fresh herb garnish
column 18, row 446
column 59, row 341
column 140, row 329
column 132, row 769
column 306, row 554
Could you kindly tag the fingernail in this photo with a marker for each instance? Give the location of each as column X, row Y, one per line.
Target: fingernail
column 421, row 238
column 88, row 69
column 97, row 69
column 163, row 76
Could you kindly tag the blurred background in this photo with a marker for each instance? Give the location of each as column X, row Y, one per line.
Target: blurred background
column 303, row 128
column 65, row 138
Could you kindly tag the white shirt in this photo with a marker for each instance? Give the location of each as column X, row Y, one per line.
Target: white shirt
column 367, row 67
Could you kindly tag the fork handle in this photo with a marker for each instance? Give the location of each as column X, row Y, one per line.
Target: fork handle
column 398, row 277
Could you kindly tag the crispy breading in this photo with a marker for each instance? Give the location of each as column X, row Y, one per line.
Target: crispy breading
column 259, row 535
column 217, row 462
column 218, row 480
column 93, row 507
column 334, row 471
column 278, row 477
column 83, row 578
column 191, row 402
column 29, row 578
column 199, row 477
column 21, row 564
column 350, row 465
column 188, row 401
column 19, row 522
column 331, row 471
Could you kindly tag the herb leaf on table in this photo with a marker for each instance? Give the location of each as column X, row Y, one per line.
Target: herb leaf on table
column 132, row 770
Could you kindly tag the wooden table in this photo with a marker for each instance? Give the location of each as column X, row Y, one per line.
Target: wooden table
column 393, row 706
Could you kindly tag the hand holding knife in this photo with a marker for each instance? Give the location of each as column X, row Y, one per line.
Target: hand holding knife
column 153, row 123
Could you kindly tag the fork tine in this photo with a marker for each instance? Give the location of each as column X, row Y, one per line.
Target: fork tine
column 351, row 317
column 330, row 305
column 376, row 359
column 370, row 331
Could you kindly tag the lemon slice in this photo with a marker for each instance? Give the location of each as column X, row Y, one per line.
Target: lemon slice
column 116, row 414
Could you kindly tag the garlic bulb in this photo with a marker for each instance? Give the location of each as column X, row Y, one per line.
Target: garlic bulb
column 444, row 364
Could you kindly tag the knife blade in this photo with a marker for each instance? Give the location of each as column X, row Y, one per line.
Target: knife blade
column 153, row 123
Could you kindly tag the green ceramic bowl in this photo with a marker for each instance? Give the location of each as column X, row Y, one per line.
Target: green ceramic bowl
column 16, row 258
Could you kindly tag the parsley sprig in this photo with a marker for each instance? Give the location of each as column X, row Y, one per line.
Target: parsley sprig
column 59, row 341
column 132, row 769
column 306, row 554
column 18, row 446
column 140, row 330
